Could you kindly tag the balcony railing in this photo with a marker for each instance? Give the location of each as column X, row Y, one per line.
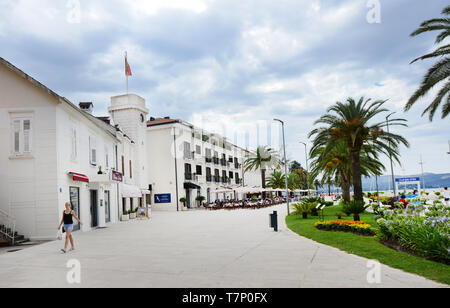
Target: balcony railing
column 209, row 178
column 189, row 155
column 216, row 160
column 208, row 159
column 217, row 179
column 188, row 176
column 223, row 162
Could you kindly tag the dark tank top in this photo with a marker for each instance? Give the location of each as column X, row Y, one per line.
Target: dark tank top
column 68, row 218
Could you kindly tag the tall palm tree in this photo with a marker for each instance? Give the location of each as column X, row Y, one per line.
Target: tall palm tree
column 349, row 122
column 264, row 158
column 317, row 184
column 293, row 181
column 337, row 163
column 276, row 180
column 440, row 71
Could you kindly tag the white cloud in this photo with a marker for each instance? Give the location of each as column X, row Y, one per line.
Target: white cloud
column 152, row 7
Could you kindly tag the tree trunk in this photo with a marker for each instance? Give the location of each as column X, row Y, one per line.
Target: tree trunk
column 329, row 190
column 345, row 185
column 346, row 191
column 263, row 178
column 356, row 173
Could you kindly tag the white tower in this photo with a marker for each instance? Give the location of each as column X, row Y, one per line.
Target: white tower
column 130, row 113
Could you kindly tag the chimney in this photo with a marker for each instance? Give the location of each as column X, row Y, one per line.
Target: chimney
column 152, row 119
column 87, row 107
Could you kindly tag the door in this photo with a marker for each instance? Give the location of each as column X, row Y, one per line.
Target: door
column 75, row 201
column 107, row 206
column 94, row 205
column 188, row 198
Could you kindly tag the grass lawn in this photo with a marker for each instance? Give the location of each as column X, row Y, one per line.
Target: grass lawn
column 367, row 246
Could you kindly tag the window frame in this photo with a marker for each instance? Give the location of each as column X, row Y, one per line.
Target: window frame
column 21, row 119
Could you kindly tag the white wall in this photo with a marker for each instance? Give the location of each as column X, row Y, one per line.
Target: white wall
column 67, row 118
column 28, row 186
column 161, row 162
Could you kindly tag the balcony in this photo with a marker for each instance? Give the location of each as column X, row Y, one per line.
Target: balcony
column 216, row 160
column 189, row 155
column 237, row 166
column 217, row 179
column 209, row 178
column 188, row 176
column 225, row 179
column 223, row 162
column 208, row 159
column 238, row 181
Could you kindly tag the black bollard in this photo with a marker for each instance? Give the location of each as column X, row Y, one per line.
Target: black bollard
column 274, row 221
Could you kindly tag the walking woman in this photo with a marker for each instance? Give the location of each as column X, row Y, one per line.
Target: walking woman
column 67, row 219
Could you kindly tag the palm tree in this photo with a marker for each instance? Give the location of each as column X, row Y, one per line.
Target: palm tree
column 317, row 184
column 336, row 163
column 264, row 158
column 276, row 180
column 293, row 181
column 349, row 122
column 440, row 71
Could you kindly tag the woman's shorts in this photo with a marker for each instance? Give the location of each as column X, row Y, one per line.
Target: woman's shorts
column 68, row 227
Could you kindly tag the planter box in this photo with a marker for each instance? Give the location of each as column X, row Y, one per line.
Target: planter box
column 125, row 218
column 133, row 216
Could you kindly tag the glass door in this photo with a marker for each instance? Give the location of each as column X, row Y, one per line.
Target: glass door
column 94, row 205
column 107, row 206
column 75, row 202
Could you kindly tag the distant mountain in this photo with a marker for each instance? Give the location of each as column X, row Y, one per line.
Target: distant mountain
column 432, row 180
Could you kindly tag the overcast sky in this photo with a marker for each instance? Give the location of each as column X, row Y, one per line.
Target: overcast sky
column 231, row 66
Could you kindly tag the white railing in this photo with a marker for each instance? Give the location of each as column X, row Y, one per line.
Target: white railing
column 8, row 224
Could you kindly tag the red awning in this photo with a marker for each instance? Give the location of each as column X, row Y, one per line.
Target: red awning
column 79, row 177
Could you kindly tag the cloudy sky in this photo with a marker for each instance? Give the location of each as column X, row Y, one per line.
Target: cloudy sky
column 231, row 66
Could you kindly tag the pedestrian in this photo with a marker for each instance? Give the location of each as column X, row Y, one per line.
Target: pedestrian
column 67, row 220
column 446, row 194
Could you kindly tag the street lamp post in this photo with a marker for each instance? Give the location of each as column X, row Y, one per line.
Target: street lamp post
column 390, row 157
column 307, row 167
column 285, row 166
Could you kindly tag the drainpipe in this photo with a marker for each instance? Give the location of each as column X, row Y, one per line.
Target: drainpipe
column 117, row 185
column 176, row 166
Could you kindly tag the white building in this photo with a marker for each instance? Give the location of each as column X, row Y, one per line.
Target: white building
column 53, row 153
column 187, row 162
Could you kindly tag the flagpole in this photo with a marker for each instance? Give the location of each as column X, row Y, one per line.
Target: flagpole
column 126, row 70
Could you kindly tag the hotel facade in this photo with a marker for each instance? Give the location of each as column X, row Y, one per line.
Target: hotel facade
column 187, row 162
column 55, row 151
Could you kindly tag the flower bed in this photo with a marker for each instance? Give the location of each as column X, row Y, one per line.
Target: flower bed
column 423, row 230
column 357, row 227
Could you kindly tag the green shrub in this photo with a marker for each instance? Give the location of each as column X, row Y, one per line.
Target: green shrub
column 304, row 208
column 355, row 208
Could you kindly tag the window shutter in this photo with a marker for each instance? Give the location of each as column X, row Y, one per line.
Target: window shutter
column 16, row 136
column 106, row 157
column 93, row 150
column 27, row 136
column 74, row 143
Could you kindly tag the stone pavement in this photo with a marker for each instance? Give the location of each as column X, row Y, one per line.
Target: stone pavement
column 198, row 249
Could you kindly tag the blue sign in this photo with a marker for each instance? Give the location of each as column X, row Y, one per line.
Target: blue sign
column 163, row 198
column 404, row 180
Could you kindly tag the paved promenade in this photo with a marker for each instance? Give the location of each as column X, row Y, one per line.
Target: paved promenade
column 198, row 249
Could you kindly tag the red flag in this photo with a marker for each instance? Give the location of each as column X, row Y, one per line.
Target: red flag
column 127, row 67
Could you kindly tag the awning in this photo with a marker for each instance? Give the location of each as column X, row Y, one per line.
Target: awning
column 79, row 177
column 191, row 186
column 131, row 191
